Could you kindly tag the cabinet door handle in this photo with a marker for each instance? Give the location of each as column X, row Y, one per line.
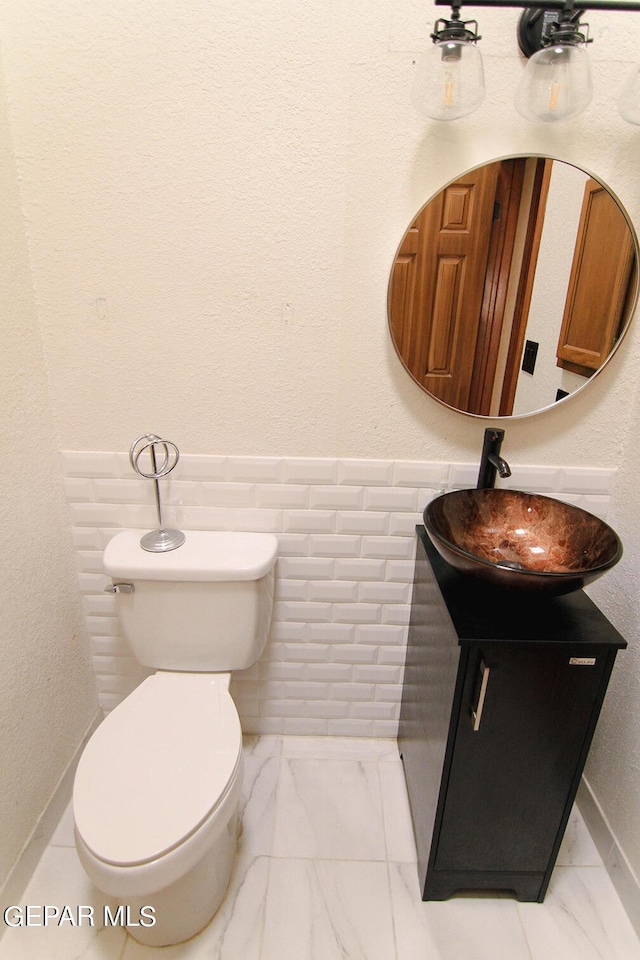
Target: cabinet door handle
column 476, row 715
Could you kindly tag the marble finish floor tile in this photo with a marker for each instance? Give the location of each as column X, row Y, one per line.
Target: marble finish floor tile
column 60, row 880
column 329, row 810
column 581, row 919
column 398, row 829
column 261, row 746
column 339, row 748
column 258, row 804
column 326, row 870
column 328, row 910
column 485, row 928
column 235, row 933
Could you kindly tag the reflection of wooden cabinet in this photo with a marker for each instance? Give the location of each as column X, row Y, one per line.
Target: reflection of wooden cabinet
column 500, row 701
column 599, row 283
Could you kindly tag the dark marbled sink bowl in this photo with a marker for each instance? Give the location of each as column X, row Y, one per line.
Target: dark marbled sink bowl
column 521, row 541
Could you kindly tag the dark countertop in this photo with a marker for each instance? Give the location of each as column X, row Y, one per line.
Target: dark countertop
column 480, row 612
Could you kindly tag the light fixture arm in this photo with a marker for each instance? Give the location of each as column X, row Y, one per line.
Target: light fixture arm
column 630, row 5
column 564, row 29
column 455, row 29
column 538, row 27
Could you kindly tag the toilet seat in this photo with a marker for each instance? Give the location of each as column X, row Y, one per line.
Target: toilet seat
column 157, row 768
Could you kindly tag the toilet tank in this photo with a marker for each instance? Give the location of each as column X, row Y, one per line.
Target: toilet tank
column 204, row 607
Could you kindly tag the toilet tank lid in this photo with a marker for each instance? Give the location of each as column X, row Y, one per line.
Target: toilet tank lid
column 205, row 555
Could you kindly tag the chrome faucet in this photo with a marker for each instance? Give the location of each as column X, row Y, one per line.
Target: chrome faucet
column 491, row 462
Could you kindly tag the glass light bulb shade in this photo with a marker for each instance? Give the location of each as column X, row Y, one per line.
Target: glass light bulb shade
column 629, row 101
column 449, row 81
column 556, row 84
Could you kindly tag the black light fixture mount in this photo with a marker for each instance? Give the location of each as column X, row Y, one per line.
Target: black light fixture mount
column 455, row 29
column 538, row 28
column 539, row 15
column 628, row 5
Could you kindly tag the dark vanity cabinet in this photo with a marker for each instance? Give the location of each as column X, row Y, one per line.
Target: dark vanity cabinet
column 501, row 696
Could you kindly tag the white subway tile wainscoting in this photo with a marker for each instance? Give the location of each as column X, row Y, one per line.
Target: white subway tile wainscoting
column 326, row 870
column 334, row 660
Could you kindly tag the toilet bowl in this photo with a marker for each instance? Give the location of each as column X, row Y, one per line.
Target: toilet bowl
column 156, row 794
column 156, row 799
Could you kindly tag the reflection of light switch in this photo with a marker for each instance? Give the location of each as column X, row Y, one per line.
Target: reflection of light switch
column 530, row 354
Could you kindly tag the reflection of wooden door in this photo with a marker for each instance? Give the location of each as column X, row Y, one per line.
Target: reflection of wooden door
column 602, row 266
column 437, row 286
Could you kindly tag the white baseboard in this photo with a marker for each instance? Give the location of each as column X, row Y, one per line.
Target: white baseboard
column 21, row 874
column 617, row 866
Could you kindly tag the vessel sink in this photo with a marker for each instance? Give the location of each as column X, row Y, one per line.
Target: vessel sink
column 521, row 541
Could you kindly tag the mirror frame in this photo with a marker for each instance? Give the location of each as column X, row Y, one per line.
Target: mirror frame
column 632, row 304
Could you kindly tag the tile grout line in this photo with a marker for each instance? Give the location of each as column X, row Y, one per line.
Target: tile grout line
column 524, row 932
column 387, row 863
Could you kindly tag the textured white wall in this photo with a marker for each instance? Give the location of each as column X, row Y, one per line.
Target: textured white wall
column 47, row 691
column 213, row 194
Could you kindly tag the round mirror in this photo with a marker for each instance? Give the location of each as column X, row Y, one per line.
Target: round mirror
column 513, row 286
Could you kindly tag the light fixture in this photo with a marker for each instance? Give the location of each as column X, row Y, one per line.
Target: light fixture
column 629, row 100
column 449, row 79
column 556, row 84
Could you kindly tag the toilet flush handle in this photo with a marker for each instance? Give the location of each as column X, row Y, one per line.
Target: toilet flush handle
column 119, row 588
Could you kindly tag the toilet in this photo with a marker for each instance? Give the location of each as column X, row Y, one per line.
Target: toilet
column 157, row 789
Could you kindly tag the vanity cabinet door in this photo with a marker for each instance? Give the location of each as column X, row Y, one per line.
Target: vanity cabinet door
column 523, row 729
